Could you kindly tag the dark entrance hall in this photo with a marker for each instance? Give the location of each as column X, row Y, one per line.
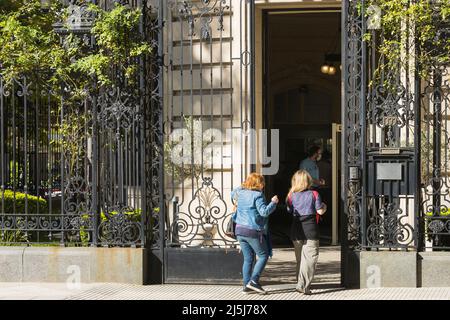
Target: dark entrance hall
column 302, row 101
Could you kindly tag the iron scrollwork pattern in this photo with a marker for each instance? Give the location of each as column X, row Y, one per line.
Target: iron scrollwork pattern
column 120, row 226
column 392, row 110
column 205, row 221
column 390, row 219
column 118, row 118
column 72, row 170
column 206, row 69
column 380, row 114
column 353, row 127
column 435, row 134
column 153, row 112
column 45, row 162
column 389, row 227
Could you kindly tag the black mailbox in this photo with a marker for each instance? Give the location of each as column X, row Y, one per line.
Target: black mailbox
column 392, row 175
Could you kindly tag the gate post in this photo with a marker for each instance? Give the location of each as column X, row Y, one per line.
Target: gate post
column 162, row 206
column 154, row 142
column 353, row 145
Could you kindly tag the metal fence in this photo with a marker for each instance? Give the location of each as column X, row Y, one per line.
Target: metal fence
column 208, row 101
column 73, row 169
column 396, row 187
column 93, row 171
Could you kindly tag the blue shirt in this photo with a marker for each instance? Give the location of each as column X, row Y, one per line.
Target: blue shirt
column 312, row 168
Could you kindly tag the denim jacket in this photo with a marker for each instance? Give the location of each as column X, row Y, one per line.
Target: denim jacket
column 252, row 210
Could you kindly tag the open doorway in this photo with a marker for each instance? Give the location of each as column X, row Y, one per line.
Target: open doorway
column 302, row 98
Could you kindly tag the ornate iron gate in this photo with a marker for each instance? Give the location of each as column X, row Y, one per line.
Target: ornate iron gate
column 71, row 167
column 379, row 143
column 102, row 170
column 395, row 186
column 152, row 164
column 206, row 108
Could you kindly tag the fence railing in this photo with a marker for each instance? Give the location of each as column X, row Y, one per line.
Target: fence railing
column 75, row 171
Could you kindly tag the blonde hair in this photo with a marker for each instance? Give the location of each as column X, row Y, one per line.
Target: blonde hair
column 254, row 181
column 301, row 181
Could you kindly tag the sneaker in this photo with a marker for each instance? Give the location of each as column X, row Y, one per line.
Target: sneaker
column 301, row 290
column 246, row 290
column 256, row 287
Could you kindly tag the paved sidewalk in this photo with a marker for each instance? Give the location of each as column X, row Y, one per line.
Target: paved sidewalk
column 278, row 279
column 110, row 291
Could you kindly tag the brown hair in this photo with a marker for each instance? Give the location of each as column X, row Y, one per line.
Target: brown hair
column 254, row 181
column 301, row 181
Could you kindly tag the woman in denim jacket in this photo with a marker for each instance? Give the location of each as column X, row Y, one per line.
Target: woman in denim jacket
column 252, row 216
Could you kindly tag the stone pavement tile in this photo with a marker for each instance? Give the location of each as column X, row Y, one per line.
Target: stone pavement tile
column 110, row 291
column 43, row 291
column 280, row 286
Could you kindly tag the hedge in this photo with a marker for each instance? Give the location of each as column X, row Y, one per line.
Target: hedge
column 134, row 215
column 19, row 198
column 441, row 214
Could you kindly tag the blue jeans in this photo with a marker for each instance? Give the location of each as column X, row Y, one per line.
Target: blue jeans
column 251, row 247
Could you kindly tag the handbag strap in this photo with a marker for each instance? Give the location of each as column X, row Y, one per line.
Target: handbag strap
column 235, row 199
column 315, row 195
column 235, row 202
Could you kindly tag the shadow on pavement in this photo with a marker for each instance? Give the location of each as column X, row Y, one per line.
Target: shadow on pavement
column 281, row 272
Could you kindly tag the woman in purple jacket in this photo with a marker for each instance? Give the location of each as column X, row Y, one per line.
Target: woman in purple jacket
column 306, row 206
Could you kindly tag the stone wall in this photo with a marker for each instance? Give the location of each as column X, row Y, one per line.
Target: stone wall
column 72, row 265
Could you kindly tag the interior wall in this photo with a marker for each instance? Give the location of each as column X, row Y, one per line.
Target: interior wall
column 262, row 7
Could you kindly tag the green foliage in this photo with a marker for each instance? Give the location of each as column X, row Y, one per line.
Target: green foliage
column 117, row 36
column 29, row 46
column 15, row 170
column 34, row 203
column 84, row 235
column 73, row 129
column 400, row 21
column 133, row 215
column 442, row 213
column 10, row 237
column 197, row 141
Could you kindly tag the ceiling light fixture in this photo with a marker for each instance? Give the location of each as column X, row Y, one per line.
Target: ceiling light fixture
column 329, row 66
column 332, row 59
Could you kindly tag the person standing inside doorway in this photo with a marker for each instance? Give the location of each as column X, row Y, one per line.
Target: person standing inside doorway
column 309, row 164
column 252, row 217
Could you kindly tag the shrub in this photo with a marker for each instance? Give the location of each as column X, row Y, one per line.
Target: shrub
column 12, row 237
column 134, row 215
column 442, row 213
column 19, row 199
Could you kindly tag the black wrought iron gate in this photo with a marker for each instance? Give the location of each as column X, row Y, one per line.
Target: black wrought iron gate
column 146, row 162
column 205, row 113
column 152, row 165
column 395, row 147
column 71, row 165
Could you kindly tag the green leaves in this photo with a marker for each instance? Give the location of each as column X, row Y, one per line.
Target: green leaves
column 25, row 41
column 94, row 65
column 14, row 202
column 119, row 41
column 29, row 46
column 401, row 22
